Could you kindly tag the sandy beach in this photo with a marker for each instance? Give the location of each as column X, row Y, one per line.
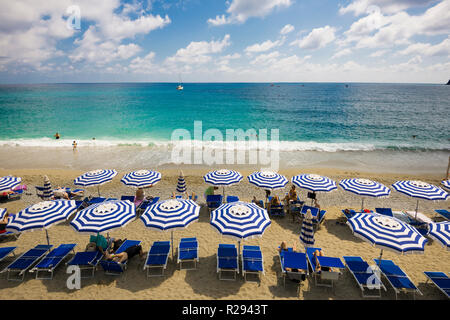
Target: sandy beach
column 335, row 239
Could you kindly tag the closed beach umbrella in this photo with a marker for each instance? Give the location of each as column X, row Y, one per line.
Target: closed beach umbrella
column 47, row 191
column 170, row 215
column 223, row 177
column 446, row 184
column 440, row 232
column 95, row 178
column 104, row 216
column 240, row 220
column 365, row 187
column 42, row 215
column 307, row 231
column 387, row 233
column 141, row 178
column 9, row 182
column 420, row 190
column 181, row 184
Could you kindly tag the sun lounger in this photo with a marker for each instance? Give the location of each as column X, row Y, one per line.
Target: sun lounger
column 276, row 211
column 52, row 260
column 10, row 233
column 384, row 211
column 440, row 280
column 86, row 261
column 227, row 260
column 331, row 263
column 365, row 276
column 445, row 214
column 232, row 199
column 295, row 208
column 252, row 261
column 147, row 203
column 293, row 260
column 116, row 268
column 259, row 203
column 157, row 257
column 6, row 251
column 398, row 279
column 188, row 252
column 213, row 201
column 23, row 263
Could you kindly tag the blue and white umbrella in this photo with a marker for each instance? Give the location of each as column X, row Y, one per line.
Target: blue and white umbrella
column 420, row 190
column 307, row 231
column 171, row 214
column 387, row 233
column 268, row 180
column 446, row 184
column 440, row 232
column 95, row 178
column 2, row 212
column 104, row 216
column 141, row 178
column 41, row 215
column 365, row 187
column 314, row 182
column 9, row 182
column 181, row 184
column 240, row 220
column 223, row 177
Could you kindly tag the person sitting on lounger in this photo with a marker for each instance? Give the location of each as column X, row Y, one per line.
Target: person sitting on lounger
column 316, row 254
column 275, row 201
column 284, row 247
column 125, row 255
column 4, row 222
column 292, row 195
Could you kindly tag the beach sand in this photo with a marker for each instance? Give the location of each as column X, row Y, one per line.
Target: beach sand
column 335, row 239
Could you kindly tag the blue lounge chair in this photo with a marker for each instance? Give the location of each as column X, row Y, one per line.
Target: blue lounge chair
column 232, row 199
column 10, row 233
column 6, row 251
column 23, row 263
column 385, row 211
column 86, row 260
column 252, row 261
column 295, row 208
column 332, row 263
column 259, row 203
column 227, row 260
column 293, row 260
column 188, row 252
column 365, row 276
column 147, row 203
column 276, row 211
column 116, row 268
column 52, row 260
column 443, row 213
column 213, row 201
column 440, row 280
column 157, row 257
column 398, row 279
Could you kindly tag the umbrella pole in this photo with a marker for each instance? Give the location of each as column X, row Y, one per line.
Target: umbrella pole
column 98, row 189
column 46, row 235
column 417, row 208
column 223, row 189
column 362, row 205
column 172, row 242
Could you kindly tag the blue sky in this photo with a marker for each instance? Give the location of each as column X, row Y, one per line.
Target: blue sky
column 229, row 41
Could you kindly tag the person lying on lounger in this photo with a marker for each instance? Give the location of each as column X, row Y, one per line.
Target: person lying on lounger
column 318, row 253
column 125, row 255
column 60, row 193
column 4, row 222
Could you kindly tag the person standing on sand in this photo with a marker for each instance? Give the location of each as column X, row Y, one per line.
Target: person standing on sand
column 74, row 145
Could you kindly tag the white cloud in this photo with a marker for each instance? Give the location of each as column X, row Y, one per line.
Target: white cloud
column 317, row 38
column 143, row 65
column 266, row 58
column 359, row 7
column 264, row 46
column 287, row 29
column 378, row 53
column 241, row 10
column 426, row 49
column 341, row 53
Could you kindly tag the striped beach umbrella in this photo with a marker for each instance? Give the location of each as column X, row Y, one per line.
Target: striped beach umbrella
column 365, row 187
column 141, row 178
column 268, row 180
column 420, row 190
column 223, row 177
column 95, row 178
column 314, row 182
column 170, row 215
column 181, row 184
column 41, row 215
column 387, row 233
column 240, row 220
column 9, row 182
column 47, row 192
column 307, row 231
column 2, row 212
column 440, row 232
column 446, row 184
column 104, row 216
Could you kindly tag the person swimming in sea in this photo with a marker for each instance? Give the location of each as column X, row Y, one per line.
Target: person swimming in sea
column 57, row 136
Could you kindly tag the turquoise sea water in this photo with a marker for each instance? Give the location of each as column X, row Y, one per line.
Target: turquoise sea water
column 309, row 116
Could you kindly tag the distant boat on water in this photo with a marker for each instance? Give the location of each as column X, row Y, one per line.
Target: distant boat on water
column 180, row 86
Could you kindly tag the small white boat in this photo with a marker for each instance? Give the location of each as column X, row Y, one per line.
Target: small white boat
column 179, row 87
